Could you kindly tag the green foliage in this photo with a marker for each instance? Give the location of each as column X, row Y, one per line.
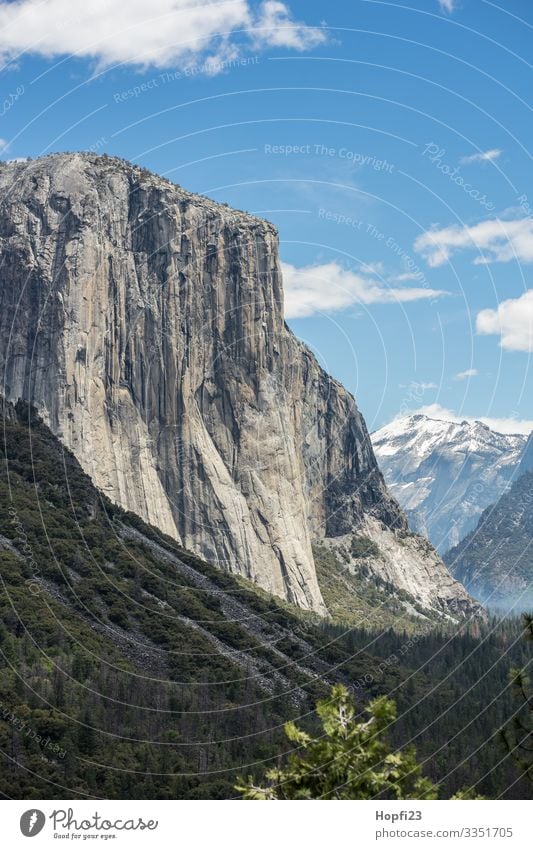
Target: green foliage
column 518, row 736
column 352, row 598
column 350, row 759
column 363, row 546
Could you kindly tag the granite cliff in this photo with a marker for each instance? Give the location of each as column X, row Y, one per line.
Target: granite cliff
column 146, row 325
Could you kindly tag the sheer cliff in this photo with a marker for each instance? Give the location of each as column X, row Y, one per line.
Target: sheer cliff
column 146, row 325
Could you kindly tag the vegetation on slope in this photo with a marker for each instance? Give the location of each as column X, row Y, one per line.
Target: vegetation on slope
column 131, row 669
column 349, row 759
column 356, row 598
column 518, row 735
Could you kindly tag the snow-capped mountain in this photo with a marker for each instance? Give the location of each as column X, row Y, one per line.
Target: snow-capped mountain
column 444, row 474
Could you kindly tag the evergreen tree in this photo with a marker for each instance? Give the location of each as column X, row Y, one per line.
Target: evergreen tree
column 350, row 760
column 518, row 735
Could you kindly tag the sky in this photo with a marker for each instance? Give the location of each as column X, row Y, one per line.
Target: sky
column 388, row 141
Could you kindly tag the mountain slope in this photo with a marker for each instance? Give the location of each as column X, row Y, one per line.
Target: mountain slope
column 444, row 473
column 495, row 560
column 146, row 324
column 111, row 635
column 526, row 460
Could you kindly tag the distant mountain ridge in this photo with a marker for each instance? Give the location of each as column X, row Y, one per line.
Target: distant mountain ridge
column 526, row 460
column 495, row 560
column 444, row 474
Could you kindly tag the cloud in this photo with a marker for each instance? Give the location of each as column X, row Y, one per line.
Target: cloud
column 419, row 386
column 497, row 239
column 376, row 268
column 486, row 156
column 464, row 375
column 447, row 5
column 407, row 275
column 3, row 144
column 500, row 425
column 158, row 33
column 512, row 321
column 274, row 27
column 330, row 288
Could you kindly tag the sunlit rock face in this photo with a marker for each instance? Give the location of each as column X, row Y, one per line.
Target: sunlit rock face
column 146, row 324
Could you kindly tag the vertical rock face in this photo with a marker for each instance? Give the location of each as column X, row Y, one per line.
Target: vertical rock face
column 146, row 324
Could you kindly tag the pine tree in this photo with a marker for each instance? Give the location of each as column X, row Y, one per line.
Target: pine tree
column 350, row 760
column 518, row 736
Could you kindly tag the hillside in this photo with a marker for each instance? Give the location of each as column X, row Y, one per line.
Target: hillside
column 129, row 668
column 495, row 560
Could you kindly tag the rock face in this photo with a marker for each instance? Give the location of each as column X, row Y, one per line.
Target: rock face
column 495, row 560
column 444, row 474
column 400, row 562
column 146, row 324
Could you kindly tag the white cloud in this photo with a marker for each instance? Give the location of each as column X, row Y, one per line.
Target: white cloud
column 274, row 27
column 407, row 275
column 3, row 144
column 512, row 321
column 447, row 5
column 497, row 239
column 158, row 33
column 464, row 375
column 500, row 425
column 485, row 156
column 376, row 268
column 329, row 288
column 419, row 386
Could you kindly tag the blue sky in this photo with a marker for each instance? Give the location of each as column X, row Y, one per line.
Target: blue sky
column 388, row 141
